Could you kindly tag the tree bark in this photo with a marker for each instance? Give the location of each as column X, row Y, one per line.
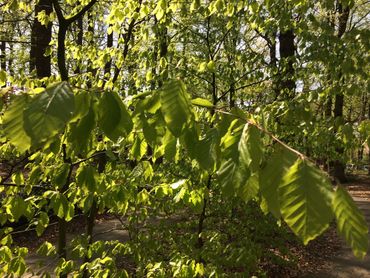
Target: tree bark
column 40, row 39
column 287, row 49
column 3, row 55
column 80, row 37
column 338, row 165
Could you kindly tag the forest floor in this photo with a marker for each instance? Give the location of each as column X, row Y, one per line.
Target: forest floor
column 337, row 259
column 327, row 256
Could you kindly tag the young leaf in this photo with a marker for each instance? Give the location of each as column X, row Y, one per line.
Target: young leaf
column 48, row 112
column 207, row 150
column 305, row 200
column 42, row 223
column 80, row 131
column 250, row 189
column 250, row 147
column 231, row 176
column 271, row 176
column 175, row 106
column 202, row 102
column 86, row 177
column 351, row 222
column 16, row 207
column 14, row 124
column 114, row 118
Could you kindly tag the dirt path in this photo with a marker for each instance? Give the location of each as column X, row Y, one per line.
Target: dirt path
column 344, row 264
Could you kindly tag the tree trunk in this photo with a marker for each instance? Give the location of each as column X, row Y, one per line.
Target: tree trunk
column 287, row 48
column 3, row 56
column 339, row 167
column 80, row 36
column 40, row 39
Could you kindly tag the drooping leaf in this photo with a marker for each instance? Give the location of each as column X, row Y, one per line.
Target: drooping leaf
column 86, row 177
column 169, row 144
column 245, row 151
column 250, row 147
column 231, row 176
column 14, row 124
column 83, row 101
column 150, row 133
column 114, row 119
column 81, row 131
column 250, row 188
column 351, row 222
column 230, row 141
column 16, row 207
column 48, row 112
column 42, row 223
column 208, row 150
column 191, row 141
column 61, row 175
column 61, row 206
column 139, row 147
column 305, row 197
column 175, row 106
column 202, row 102
column 271, row 176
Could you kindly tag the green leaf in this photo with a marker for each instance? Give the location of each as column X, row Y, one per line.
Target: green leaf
column 202, row 102
column 62, row 208
column 114, row 118
column 81, row 131
column 150, row 133
column 250, row 188
column 2, row 78
column 42, row 223
column 48, row 112
column 60, row 177
column 351, row 222
column 16, row 207
column 208, row 150
column 305, row 200
column 17, row 266
column 169, row 144
column 202, row 67
column 191, row 141
column 83, row 101
column 250, row 147
column 271, row 176
column 211, row 66
column 86, row 177
column 6, row 254
column 245, row 150
column 46, row 249
column 139, row 147
column 231, row 176
column 14, row 124
column 176, row 106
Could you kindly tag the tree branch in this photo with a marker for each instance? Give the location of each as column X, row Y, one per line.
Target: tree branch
column 82, row 12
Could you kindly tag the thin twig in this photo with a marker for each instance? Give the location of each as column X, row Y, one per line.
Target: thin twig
column 273, row 137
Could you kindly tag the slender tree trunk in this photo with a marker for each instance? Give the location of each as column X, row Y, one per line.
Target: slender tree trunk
column 108, row 65
column 80, row 36
column 40, row 39
column 338, row 166
column 10, row 60
column 102, row 161
column 3, row 55
column 287, row 49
